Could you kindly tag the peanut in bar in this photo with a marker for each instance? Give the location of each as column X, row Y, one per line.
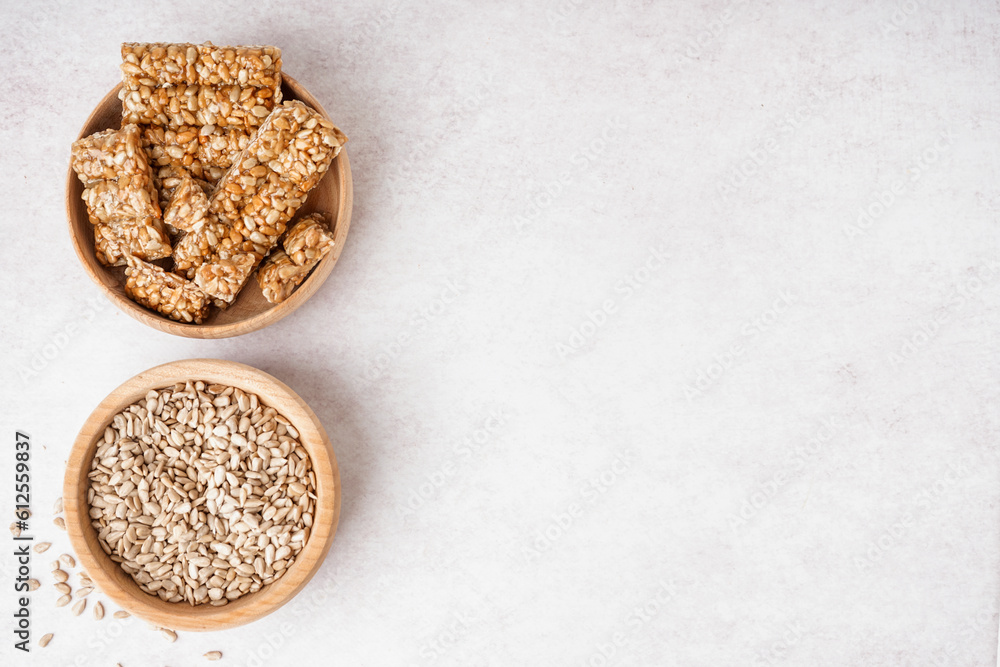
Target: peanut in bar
column 151, row 64
column 164, row 292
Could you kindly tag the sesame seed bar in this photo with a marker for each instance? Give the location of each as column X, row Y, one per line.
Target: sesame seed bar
column 164, row 292
column 308, row 241
column 144, row 239
column 145, row 64
column 187, row 207
column 279, row 276
column 233, row 106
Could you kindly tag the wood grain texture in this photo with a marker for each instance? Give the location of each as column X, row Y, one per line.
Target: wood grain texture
column 333, row 196
column 116, row 583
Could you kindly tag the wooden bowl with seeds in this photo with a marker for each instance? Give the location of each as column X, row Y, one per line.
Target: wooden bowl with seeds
column 333, row 197
column 323, row 504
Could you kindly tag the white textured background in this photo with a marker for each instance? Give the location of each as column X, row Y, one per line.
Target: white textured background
column 687, row 403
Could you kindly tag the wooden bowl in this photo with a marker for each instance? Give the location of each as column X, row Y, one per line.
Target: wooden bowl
column 333, row 196
column 118, row 584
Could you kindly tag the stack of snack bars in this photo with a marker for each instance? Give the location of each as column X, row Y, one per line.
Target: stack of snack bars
column 197, row 105
column 205, row 134
column 121, row 201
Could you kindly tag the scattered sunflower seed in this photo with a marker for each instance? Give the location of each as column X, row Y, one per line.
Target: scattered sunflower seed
column 121, row 614
column 57, row 508
column 79, row 607
column 169, row 635
column 14, row 530
column 42, row 547
column 54, row 565
column 33, row 584
column 63, row 601
column 213, row 655
column 60, row 575
column 67, row 560
column 98, row 611
column 84, row 591
column 63, row 588
column 60, row 522
column 44, row 641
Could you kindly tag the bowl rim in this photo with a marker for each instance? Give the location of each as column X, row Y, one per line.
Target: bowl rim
column 116, row 583
column 341, row 170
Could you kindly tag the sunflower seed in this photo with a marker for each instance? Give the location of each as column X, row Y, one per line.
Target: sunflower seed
column 63, row 588
column 58, row 507
column 63, row 601
column 42, row 547
column 121, row 614
column 33, row 584
column 84, row 592
column 15, row 530
column 79, row 607
column 213, row 655
column 169, row 635
column 201, row 493
column 44, row 641
column 59, row 522
column 60, row 576
column 98, row 611
column 67, row 560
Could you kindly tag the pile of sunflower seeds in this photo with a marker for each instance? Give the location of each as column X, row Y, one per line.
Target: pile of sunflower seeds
column 202, row 493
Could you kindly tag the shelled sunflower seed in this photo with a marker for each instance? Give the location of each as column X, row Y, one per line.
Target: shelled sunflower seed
column 79, row 607
column 67, row 560
column 202, row 493
column 213, row 655
column 42, row 547
column 60, row 523
column 60, row 576
column 98, row 611
column 33, row 584
column 121, row 614
column 44, row 641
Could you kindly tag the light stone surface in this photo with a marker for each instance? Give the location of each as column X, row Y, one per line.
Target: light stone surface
column 615, row 360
